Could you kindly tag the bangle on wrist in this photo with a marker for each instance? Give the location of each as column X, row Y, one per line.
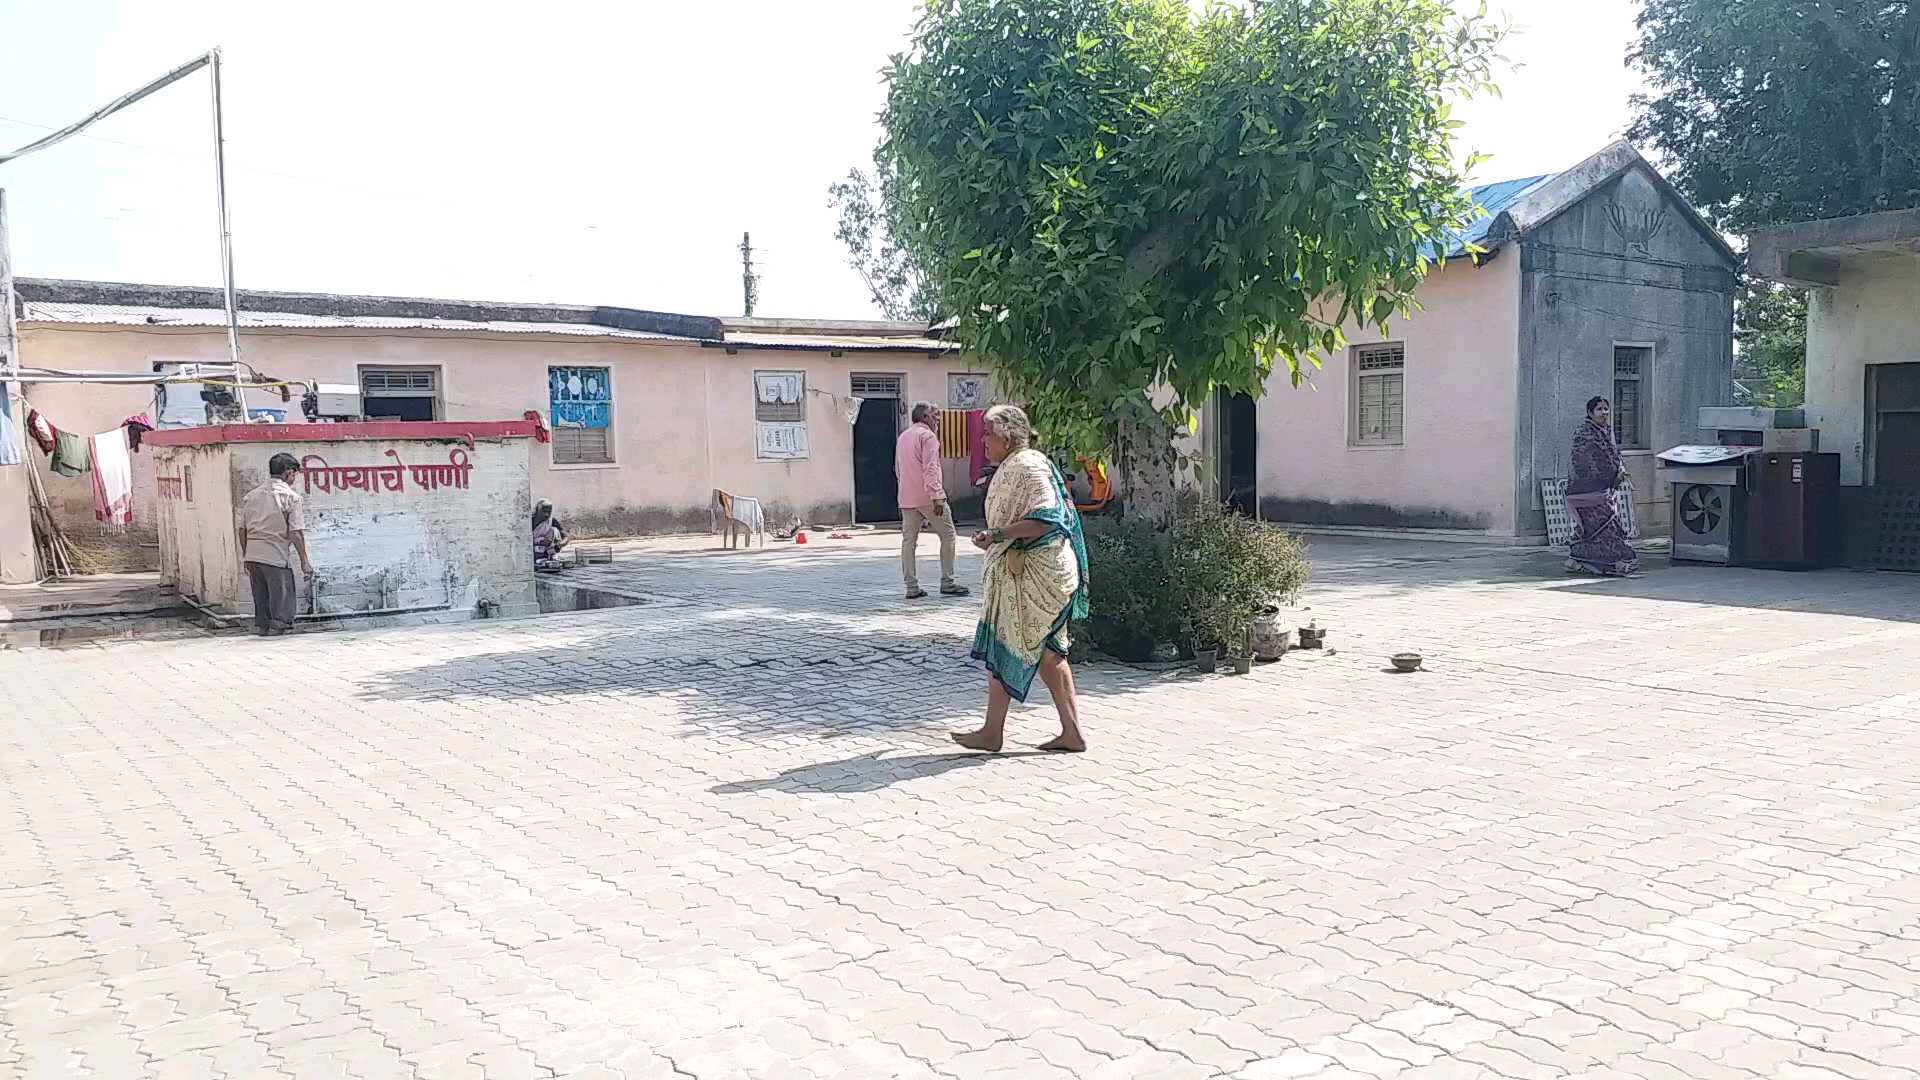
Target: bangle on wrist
column 999, row 536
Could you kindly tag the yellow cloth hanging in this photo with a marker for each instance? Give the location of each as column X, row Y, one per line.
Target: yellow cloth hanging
column 953, row 433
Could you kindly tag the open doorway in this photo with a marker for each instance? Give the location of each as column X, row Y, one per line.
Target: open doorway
column 876, row 489
column 1236, row 451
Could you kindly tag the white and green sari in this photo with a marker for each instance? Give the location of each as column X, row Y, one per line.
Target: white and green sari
column 1034, row 588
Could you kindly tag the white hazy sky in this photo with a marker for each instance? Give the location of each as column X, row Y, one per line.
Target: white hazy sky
column 599, row 151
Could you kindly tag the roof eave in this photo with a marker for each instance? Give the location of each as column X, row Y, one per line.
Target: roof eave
column 1547, row 202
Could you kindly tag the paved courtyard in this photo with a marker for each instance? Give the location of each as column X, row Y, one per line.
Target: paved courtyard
column 1653, row 828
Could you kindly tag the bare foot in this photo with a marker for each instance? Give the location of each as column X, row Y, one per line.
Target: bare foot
column 978, row 740
column 1064, row 745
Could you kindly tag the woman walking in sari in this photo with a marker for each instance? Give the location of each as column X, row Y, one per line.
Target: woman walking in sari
column 1036, row 583
column 1601, row 546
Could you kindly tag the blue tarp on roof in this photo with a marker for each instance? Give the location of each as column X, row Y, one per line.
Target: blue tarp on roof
column 1490, row 199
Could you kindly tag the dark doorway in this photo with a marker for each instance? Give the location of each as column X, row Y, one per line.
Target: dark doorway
column 1237, row 451
column 1893, row 469
column 876, row 490
column 1896, row 426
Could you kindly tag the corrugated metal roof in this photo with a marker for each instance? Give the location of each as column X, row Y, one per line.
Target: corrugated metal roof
column 827, row 342
column 130, row 315
column 1491, row 200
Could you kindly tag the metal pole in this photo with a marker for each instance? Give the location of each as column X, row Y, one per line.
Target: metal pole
column 17, row 557
column 226, row 232
column 110, row 108
column 9, row 345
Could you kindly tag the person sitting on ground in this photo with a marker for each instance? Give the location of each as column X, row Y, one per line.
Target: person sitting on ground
column 548, row 537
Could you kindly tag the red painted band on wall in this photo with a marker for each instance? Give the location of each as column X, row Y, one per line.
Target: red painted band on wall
column 371, row 431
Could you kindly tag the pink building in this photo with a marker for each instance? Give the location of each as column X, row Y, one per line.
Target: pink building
column 1597, row 281
column 650, row 411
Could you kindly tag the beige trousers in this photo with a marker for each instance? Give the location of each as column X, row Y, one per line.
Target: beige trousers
column 911, row 522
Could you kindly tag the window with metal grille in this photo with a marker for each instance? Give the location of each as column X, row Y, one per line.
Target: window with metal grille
column 580, row 411
column 877, row 386
column 780, row 397
column 400, row 393
column 398, row 381
column 1379, row 414
column 582, row 446
column 1632, row 371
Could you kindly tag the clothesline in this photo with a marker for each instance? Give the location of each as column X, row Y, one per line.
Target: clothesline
column 134, row 378
column 105, row 457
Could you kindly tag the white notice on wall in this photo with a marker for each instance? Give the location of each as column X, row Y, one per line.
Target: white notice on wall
column 780, row 442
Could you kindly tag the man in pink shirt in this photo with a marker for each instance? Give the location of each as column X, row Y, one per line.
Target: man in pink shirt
column 923, row 500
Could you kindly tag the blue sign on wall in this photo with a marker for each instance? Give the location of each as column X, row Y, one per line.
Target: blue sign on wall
column 579, row 397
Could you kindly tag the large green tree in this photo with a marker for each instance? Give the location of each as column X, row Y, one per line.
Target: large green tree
column 1118, row 196
column 1770, row 111
column 866, row 212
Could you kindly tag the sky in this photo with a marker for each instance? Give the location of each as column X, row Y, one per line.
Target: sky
column 602, row 152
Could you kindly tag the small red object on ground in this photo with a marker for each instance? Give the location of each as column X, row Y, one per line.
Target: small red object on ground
column 839, row 536
column 799, row 537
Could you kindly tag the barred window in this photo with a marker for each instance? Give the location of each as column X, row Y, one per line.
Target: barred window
column 1632, row 371
column 780, row 397
column 1379, row 414
column 400, row 393
column 580, row 411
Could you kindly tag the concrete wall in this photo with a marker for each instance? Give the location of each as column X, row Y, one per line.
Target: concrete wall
column 1585, row 287
column 682, row 414
column 193, row 516
column 433, row 543
column 1455, row 469
column 1871, row 317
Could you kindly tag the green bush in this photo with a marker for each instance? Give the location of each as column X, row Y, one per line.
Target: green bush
column 1131, row 603
column 1227, row 569
column 1205, row 581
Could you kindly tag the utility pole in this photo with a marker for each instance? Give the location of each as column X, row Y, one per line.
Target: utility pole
column 749, row 281
column 226, row 233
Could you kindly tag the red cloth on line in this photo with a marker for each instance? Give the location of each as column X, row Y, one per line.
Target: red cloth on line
column 976, row 445
column 42, row 433
column 136, row 425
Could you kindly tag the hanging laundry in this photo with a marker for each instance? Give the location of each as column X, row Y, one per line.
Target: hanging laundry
column 69, row 454
column 40, row 431
column 953, row 434
column 112, row 478
column 9, row 450
column 136, row 425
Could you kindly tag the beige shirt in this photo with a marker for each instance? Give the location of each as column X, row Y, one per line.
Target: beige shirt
column 271, row 514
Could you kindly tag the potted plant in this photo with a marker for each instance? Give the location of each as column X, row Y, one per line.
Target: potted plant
column 1243, row 652
column 1206, row 656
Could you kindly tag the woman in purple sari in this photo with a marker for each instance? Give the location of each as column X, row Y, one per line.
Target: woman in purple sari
column 1601, row 547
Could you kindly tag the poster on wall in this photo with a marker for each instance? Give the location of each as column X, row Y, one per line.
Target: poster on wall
column 780, row 441
column 966, row 392
column 778, row 391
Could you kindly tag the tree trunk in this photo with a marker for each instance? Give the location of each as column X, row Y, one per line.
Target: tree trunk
column 1144, row 459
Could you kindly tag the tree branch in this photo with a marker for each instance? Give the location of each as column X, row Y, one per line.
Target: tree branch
column 1846, row 30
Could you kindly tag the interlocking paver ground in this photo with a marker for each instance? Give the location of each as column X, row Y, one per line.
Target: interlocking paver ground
column 1652, row 827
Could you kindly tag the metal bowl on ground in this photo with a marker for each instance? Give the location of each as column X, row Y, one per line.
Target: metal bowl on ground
column 1406, row 662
